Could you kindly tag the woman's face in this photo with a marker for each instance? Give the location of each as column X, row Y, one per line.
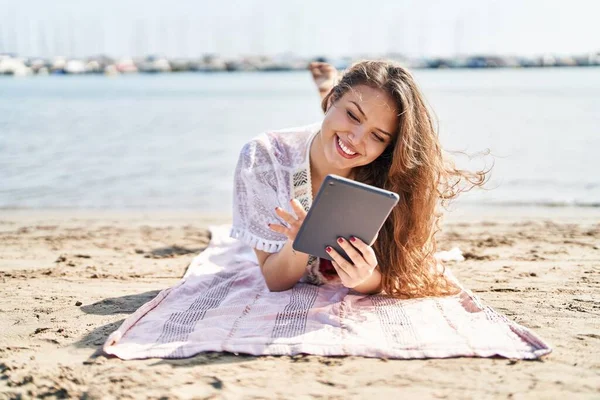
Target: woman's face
column 358, row 127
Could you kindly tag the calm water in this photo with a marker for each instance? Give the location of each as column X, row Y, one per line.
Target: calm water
column 171, row 141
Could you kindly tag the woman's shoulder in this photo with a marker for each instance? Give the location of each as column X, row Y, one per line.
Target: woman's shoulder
column 284, row 146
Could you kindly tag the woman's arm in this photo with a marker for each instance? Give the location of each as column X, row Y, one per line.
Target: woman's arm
column 284, row 269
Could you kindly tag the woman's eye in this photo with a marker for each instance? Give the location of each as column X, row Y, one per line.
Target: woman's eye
column 378, row 138
column 352, row 116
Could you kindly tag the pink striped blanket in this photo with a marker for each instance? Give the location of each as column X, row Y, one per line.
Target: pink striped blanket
column 223, row 304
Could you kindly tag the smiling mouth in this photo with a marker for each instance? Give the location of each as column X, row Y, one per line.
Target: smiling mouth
column 343, row 149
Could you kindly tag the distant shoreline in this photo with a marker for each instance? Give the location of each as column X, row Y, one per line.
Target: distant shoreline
column 12, row 64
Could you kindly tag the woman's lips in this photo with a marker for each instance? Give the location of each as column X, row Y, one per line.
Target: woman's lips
column 342, row 152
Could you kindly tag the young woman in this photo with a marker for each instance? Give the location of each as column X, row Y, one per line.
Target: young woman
column 377, row 130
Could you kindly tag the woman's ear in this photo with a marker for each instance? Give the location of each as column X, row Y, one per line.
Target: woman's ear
column 327, row 101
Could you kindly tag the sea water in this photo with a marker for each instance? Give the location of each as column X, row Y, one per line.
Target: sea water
column 171, row 141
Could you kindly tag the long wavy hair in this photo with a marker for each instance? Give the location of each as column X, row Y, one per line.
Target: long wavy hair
column 414, row 166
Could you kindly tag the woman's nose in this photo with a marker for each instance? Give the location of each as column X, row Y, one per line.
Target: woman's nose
column 357, row 135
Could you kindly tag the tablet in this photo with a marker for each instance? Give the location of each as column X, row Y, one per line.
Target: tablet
column 343, row 208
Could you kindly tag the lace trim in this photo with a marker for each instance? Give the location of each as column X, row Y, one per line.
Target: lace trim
column 301, row 182
column 270, row 246
column 307, row 168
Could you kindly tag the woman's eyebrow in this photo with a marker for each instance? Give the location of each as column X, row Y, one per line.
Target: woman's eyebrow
column 366, row 119
column 359, row 109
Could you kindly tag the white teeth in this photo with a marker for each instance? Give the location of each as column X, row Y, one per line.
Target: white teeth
column 344, row 148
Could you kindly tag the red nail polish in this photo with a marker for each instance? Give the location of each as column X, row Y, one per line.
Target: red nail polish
column 352, row 239
column 340, row 240
column 328, row 249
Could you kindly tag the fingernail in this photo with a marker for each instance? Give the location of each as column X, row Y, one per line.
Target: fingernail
column 328, row 249
column 340, row 240
column 352, row 239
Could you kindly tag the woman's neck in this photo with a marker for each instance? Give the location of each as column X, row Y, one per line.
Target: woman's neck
column 319, row 167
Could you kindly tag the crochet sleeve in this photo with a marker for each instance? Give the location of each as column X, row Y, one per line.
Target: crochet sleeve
column 257, row 191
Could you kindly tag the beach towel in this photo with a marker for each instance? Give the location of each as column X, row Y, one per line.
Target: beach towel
column 223, row 304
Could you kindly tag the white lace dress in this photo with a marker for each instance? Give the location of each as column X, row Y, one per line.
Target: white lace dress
column 272, row 169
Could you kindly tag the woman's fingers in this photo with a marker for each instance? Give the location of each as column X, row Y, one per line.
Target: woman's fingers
column 350, row 275
column 287, row 217
column 344, row 276
column 284, row 230
column 355, row 272
column 343, row 267
column 365, row 250
column 298, row 209
column 293, row 222
column 342, row 262
column 355, row 256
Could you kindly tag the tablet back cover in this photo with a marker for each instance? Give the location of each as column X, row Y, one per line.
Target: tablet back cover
column 343, row 208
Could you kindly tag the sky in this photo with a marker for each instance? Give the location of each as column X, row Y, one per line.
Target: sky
column 331, row 28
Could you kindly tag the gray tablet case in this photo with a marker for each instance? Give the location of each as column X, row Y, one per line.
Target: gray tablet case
column 345, row 208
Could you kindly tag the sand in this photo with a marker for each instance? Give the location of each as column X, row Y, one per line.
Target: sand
column 69, row 278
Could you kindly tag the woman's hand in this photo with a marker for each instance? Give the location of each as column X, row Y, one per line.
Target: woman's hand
column 294, row 223
column 363, row 262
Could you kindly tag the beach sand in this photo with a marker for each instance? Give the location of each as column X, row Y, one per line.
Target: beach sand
column 69, row 278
